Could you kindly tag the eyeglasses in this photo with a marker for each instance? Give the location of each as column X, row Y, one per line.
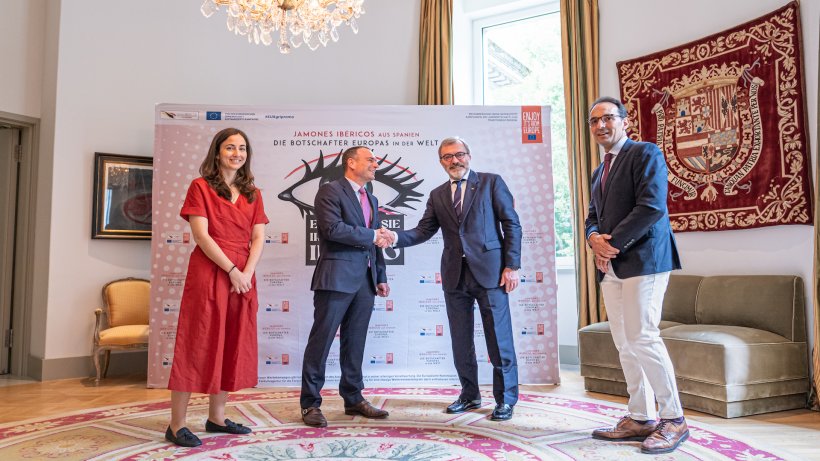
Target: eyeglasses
column 607, row 118
column 458, row 155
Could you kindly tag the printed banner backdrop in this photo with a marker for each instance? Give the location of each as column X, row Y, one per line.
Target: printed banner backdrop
column 296, row 148
column 728, row 111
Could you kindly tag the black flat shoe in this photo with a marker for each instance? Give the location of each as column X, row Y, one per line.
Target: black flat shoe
column 502, row 412
column 462, row 405
column 183, row 438
column 230, row 427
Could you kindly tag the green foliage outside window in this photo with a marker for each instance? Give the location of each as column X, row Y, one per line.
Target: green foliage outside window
column 534, row 44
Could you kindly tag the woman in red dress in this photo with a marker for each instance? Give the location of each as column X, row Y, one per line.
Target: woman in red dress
column 215, row 351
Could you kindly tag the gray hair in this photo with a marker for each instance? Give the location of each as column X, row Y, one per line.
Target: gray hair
column 453, row 140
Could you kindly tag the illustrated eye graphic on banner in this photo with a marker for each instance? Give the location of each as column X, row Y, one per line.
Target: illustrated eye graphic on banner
column 390, row 188
column 394, row 189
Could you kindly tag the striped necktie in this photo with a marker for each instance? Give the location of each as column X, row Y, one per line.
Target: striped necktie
column 457, row 199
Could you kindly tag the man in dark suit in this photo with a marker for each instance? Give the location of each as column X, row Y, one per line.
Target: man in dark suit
column 629, row 233
column 480, row 262
column 348, row 275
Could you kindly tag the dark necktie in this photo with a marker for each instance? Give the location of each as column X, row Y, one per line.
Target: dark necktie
column 607, row 164
column 457, row 200
column 365, row 206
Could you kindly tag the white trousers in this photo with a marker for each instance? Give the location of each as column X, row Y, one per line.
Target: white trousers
column 633, row 306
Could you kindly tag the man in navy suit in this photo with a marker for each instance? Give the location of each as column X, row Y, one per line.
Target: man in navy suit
column 480, row 262
column 348, row 275
column 629, row 233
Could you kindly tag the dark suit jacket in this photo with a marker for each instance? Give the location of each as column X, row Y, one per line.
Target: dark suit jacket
column 345, row 244
column 633, row 210
column 489, row 234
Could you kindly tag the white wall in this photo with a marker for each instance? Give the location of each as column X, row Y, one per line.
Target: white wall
column 117, row 59
column 22, row 26
column 633, row 28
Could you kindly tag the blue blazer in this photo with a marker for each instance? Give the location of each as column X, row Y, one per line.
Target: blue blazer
column 489, row 235
column 633, row 210
column 345, row 244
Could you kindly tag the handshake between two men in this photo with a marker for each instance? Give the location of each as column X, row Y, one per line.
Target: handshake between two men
column 385, row 237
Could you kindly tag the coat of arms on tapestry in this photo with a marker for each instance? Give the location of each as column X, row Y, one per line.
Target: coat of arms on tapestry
column 728, row 112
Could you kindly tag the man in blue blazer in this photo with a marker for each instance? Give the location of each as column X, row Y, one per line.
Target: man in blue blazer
column 348, row 275
column 480, row 262
column 629, row 233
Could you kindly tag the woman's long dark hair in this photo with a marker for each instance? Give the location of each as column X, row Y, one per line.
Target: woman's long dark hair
column 210, row 171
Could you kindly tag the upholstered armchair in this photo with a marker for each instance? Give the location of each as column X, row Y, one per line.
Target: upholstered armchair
column 122, row 323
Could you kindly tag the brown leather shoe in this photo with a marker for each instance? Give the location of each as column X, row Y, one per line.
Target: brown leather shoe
column 364, row 408
column 666, row 437
column 313, row 417
column 627, row 430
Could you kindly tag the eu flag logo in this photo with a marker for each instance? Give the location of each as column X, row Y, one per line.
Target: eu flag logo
column 213, row 115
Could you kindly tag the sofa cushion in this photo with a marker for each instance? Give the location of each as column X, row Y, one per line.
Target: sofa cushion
column 767, row 302
column 732, row 355
column 124, row 335
column 596, row 345
column 604, row 326
column 679, row 301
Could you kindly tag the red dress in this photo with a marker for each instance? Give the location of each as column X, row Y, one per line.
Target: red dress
column 215, row 346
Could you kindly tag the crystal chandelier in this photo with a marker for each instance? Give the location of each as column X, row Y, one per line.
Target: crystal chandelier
column 312, row 22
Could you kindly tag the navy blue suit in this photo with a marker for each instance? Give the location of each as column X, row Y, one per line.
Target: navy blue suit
column 476, row 251
column 632, row 208
column 344, row 285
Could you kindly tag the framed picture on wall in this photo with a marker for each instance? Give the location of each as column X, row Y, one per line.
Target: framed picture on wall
column 122, row 197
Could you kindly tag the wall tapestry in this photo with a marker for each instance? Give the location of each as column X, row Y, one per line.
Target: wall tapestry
column 728, row 112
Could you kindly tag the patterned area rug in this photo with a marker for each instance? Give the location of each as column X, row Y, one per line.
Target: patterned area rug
column 544, row 427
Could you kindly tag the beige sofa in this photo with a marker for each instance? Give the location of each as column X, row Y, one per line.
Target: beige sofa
column 738, row 344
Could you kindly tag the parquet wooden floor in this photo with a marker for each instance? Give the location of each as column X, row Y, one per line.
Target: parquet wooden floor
column 797, row 431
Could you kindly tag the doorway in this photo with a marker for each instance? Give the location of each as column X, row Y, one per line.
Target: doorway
column 9, row 176
column 18, row 160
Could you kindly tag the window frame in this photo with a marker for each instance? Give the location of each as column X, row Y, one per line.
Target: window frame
column 477, row 26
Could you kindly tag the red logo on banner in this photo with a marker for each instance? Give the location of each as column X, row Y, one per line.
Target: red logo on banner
column 285, row 359
column 539, row 329
column 539, row 277
column 284, row 237
column 389, row 357
column 531, row 125
column 388, row 305
column 186, row 237
column 439, row 330
column 285, row 306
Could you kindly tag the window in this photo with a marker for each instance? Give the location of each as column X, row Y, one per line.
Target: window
column 517, row 61
column 508, row 52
